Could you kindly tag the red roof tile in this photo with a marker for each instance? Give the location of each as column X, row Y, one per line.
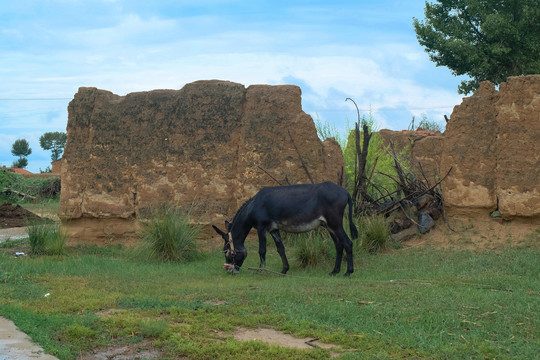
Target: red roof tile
column 19, row 171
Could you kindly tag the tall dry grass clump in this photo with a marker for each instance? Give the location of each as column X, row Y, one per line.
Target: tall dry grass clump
column 374, row 234
column 168, row 236
column 46, row 238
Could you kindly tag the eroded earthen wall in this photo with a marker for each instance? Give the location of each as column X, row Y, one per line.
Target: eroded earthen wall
column 469, row 150
column 210, row 145
column 492, row 146
column 518, row 147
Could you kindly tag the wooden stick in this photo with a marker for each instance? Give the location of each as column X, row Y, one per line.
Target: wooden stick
column 267, row 173
column 6, row 190
column 301, row 160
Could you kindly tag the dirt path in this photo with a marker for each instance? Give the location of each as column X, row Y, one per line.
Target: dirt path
column 16, row 345
column 13, row 234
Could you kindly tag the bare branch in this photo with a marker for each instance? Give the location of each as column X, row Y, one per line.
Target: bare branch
column 301, row 160
column 267, row 173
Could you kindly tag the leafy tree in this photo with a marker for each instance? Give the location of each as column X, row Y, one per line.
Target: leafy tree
column 484, row 39
column 54, row 141
column 21, row 163
column 22, row 149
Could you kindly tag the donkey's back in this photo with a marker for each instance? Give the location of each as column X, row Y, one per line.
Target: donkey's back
column 303, row 207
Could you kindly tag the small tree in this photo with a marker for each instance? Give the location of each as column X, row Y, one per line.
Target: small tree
column 20, row 163
column 22, row 149
column 54, row 141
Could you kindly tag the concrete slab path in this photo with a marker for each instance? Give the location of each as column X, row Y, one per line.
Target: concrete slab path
column 16, row 345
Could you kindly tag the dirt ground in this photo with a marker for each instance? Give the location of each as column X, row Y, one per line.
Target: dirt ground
column 12, row 216
column 480, row 234
column 275, row 337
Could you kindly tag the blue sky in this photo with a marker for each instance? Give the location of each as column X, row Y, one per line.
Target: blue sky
column 365, row 50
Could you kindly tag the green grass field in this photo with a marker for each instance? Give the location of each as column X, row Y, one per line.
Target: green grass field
column 419, row 303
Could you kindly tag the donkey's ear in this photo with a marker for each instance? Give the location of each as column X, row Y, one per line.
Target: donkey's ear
column 223, row 234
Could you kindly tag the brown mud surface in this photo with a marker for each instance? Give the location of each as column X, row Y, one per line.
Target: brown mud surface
column 12, row 216
column 479, row 234
column 135, row 351
column 279, row 338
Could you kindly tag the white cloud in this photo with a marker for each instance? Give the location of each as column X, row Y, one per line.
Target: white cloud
column 130, row 50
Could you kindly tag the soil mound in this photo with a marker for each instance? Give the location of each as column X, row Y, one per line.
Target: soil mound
column 15, row 216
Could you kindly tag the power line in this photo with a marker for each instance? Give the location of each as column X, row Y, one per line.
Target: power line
column 383, row 109
column 34, row 99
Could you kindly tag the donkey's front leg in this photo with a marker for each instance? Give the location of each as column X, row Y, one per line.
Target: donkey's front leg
column 281, row 250
column 262, row 247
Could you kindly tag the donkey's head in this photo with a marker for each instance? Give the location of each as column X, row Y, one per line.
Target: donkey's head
column 234, row 258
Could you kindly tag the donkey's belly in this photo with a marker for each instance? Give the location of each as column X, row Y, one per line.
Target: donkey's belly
column 293, row 227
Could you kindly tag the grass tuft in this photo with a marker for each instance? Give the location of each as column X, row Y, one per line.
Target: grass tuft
column 374, row 235
column 169, row 237
column 46, row 238
column 312, row 249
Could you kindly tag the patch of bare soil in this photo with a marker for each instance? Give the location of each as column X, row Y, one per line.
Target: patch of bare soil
column 480, row 234
column 14, row 216
column 140, row 350
column 275, row 337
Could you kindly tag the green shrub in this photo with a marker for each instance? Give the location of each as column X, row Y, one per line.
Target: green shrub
column 47, row 187
column 431, row 125
column 311, row 249
column 326, row 130
column 44, row 187
column 46, row 238
column 168, row 236
column 374, row 234
column 7, row 179
column 380, row 165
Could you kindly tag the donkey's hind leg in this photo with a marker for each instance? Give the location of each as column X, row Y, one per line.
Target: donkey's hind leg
column 339, row 253
column 348, row 246
column 281, row 250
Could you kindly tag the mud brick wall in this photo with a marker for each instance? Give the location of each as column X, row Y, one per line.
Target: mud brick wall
column 202, row 147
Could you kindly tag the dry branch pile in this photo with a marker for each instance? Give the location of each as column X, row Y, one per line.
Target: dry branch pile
column 414, row 206
column 416, row 203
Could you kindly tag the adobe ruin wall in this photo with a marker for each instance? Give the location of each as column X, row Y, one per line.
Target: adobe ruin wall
column 207, row 147
column 213, row 144
column 492, row 145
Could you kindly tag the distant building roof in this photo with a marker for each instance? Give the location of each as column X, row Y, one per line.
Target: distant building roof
column 19, row 171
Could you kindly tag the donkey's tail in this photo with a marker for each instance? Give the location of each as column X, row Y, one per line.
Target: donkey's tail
column 352, row 227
